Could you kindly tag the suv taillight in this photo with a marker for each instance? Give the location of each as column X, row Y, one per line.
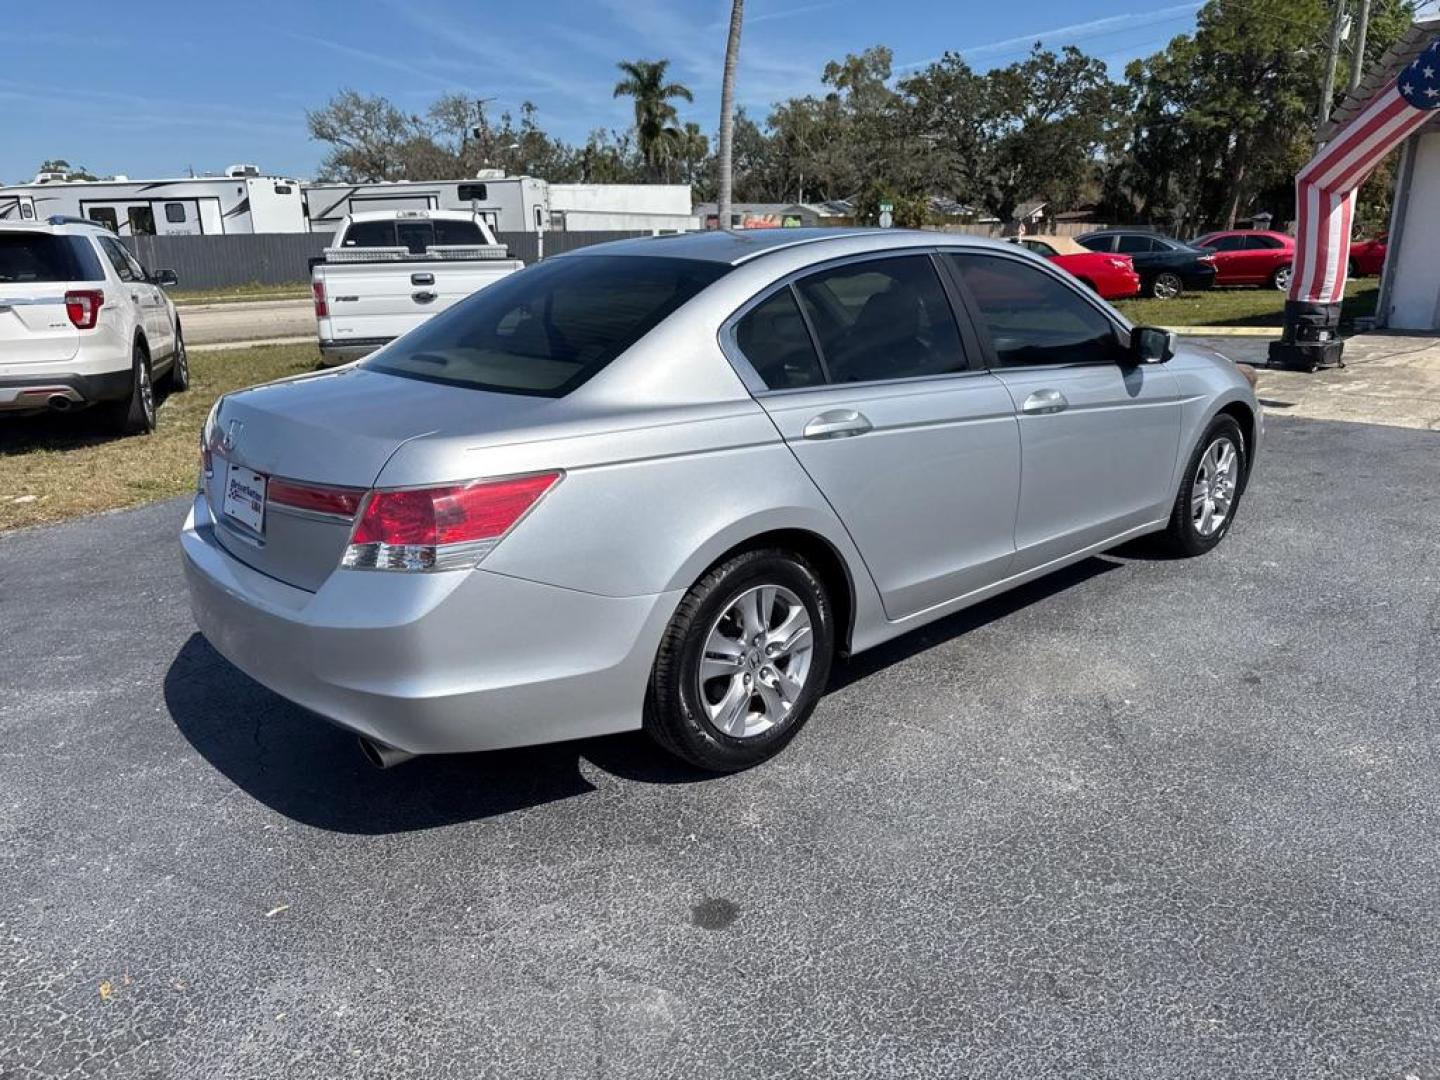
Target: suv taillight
column 82, row 307
column 322, row 309
column 441, row 528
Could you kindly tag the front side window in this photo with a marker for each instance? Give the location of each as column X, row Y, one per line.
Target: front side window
column 1224, row 243
column 773, row 337
column 550, row 327
column 1034, row 319
column 1262, row 243
column 882, row 319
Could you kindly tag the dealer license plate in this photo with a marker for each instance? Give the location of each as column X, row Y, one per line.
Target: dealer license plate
column 245, row 497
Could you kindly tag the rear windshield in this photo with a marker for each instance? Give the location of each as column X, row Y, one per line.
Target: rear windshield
column 414, row 233
column 41, row 257
column 548, row 328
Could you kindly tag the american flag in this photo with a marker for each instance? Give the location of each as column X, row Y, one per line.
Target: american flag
column 1325, row 188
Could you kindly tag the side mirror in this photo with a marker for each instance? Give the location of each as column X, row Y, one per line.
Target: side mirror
column 165, row 278
column 1152, row 345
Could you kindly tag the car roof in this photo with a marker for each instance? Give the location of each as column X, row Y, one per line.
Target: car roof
column 57, row 225
column 1063, row 245
column 736, row 246
column 403, row 215
column 1129, row 232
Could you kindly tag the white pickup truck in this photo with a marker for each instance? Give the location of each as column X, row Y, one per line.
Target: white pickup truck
column 387, row 271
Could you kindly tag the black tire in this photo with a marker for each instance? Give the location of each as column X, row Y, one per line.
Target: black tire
column 135, row 413
column 178, row 379
column 1184, row 535
column 1166, row 286
column 675, row 709
column 1280, row 279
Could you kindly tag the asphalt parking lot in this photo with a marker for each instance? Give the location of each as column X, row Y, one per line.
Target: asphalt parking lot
column 1143, row 819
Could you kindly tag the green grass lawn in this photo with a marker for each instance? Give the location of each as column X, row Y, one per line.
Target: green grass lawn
column 1239, row 307
column 57, row 466
column 232, row 294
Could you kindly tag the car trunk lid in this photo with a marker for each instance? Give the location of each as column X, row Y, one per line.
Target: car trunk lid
column 336, row 430
column 34, row 328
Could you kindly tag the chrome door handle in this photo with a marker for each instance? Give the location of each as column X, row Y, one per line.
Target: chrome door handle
column 837, row 424
column 1044, row 401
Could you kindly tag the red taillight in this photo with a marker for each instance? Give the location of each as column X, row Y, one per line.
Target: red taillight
column 82, row 307
column 341, row 502
column 322, row 309
column 442, row 527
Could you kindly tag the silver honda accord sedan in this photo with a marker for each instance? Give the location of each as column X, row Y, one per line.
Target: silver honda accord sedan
column 662, row 483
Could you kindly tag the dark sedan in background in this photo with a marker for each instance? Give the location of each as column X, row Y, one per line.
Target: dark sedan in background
column 1167, row 267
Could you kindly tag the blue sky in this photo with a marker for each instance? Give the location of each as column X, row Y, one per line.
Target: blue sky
column 151, row 90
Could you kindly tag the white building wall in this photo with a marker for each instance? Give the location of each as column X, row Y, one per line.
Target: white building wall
column 1411, row 293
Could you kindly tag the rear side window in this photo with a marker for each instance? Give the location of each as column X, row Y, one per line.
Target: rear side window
column 773, row 337
column 1135, row 245
column 41, row 257
column 1032, row 318
column 548, row 328
column 882, row 319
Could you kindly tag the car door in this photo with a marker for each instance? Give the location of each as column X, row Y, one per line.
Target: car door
column 149, row 301
column 861, row 367
column 1232, row 264
column 1099, row 436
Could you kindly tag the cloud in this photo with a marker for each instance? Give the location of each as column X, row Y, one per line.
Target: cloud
column 1073, row 32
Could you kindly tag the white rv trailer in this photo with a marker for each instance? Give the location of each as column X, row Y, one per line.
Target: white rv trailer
column 505, row 203
column 655, row 207
column 242, row 201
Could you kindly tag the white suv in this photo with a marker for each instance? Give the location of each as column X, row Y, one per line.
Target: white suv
column 82, row 323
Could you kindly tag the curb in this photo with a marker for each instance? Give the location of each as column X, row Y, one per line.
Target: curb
column 226, row 346
column 1227, row 331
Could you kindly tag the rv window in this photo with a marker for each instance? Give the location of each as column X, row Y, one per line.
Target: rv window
column 142, row 221
column 104, row 215
column 175, row 213
column 472, row 192
column 283, row 189
column 27, row 212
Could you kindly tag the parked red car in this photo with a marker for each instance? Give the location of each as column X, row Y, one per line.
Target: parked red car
column 1112, row 276
column 1367, row 257
column 1250, row 257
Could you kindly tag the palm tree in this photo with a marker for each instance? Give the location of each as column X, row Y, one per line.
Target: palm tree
column 727, row 111
column 656, row 135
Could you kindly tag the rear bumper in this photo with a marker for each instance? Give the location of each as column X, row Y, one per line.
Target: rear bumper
column 1119, row 285
column 431, row 663
column 351, row 348
column 25, row 393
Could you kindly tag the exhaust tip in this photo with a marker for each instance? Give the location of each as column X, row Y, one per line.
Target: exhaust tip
column 382, row 756
column 59, row 403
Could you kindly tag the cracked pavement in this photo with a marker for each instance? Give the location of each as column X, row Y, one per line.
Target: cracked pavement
column 1144, row 818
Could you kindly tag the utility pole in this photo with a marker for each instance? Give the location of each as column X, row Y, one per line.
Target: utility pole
column 1357, row 55
column 1332, row 57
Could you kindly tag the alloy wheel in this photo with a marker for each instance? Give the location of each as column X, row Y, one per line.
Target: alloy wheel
column 756, row 660
column 1166, row 287
column 147, row 392
column 1282, row 278
column 1216, row 481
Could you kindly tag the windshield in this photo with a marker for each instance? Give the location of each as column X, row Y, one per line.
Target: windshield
column 548, row 328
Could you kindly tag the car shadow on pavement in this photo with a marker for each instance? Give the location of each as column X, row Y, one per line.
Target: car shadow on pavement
column 972, row 618
column 312, row 772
